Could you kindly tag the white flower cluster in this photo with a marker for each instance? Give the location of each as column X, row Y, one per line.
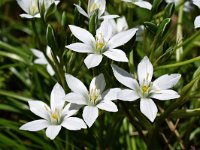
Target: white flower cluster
column 109, row 37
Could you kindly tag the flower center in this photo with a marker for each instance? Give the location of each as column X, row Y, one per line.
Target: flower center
column 94, row 95
column 55, row 116
column 100, row 43
column 145, row 90
column 94, row 7
column 33, row 7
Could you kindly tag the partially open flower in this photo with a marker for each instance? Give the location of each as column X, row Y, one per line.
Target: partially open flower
column 42, row 60
column 30, row 7
column 95, row 5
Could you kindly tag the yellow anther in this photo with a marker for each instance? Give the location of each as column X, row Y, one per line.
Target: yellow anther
column 145, row 89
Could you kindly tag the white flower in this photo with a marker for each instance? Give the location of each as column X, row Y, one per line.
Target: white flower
column 119, row 25
column 42, row 60
column 93, row 99
column 103, row 44
column 55, row 116
column 197, row 19
column 140, row 3
column 145, row 89
column 30, row 7
column 94, row 5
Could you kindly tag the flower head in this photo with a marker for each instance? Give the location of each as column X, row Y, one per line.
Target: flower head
column 104, row 43
column 146, row 89
column 54, row 117
column 95, row 5
column 30, row 7
column 94, row 99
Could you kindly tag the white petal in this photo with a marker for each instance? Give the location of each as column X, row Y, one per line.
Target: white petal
column 197, row 22
column 70, row 110
column 37, row 16
column 104, row 30
column 145, row 71
column 107, row 105
column 121, row 38
column 93, row 60
column 116, row 55
column 81, row 10
column 122, row 24
column 165, row 95
column 127, row 1
column 90, row 114
column 24, row 4
column 39, row 108
column 166, row 81
column 76, row 85
column 196, row 2
column 73, row 123
column 36, row 125
column 102, row 4
column 109, row 17
column 41, row 61
column 144, row 4
column 80, row 48
column 27, row 16
column 50, row 70
column 111, row 94
column 128, row 95
column 75, row 98
column 52, row 131
column 82, row 34
column 148, row 108
column 98, row 82
column 56, row 2
column 57, row 97
column 124, row 77
column 37, row 53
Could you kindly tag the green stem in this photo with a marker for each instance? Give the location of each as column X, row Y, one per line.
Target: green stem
column 179, row 33
column 179, row 63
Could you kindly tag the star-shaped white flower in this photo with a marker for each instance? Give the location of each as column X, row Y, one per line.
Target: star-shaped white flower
column 145, row 89
column 94, row 5
column 55, row 116
column 197, row 19
column 42, row 60
column 30, row 7
column 94, row 99
column 140, row 3
column 103, row 44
